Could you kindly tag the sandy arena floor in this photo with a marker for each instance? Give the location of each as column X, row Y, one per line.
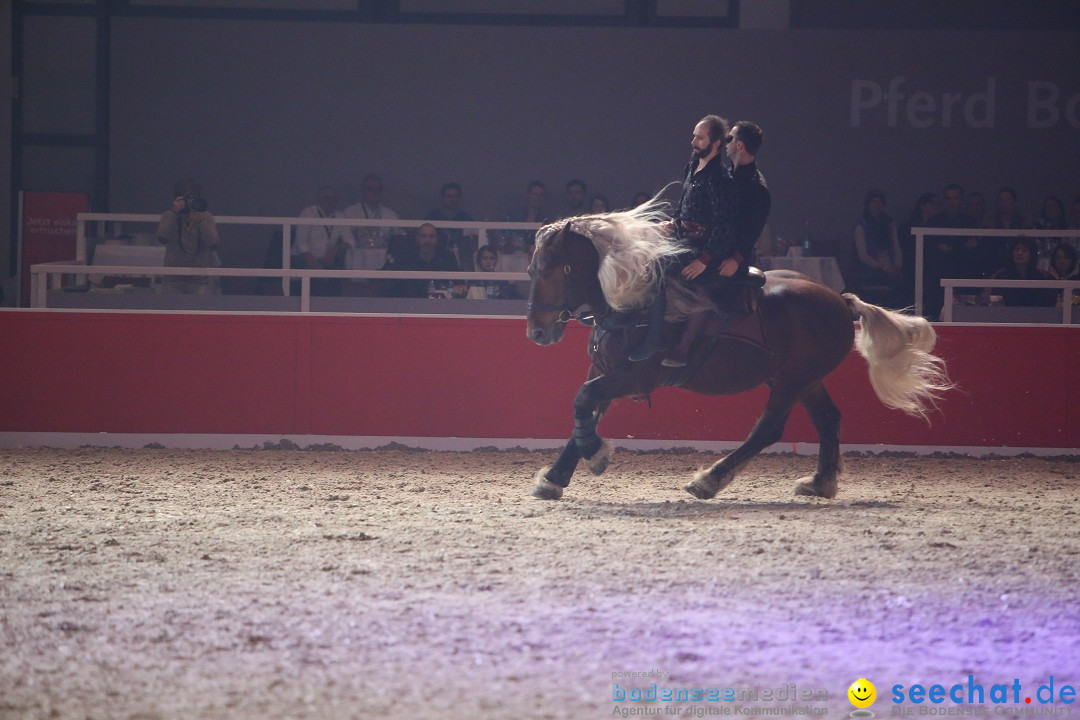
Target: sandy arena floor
column 396, row 584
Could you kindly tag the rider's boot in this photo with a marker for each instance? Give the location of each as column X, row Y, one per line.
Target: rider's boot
column 654, row 340
column 679, row 355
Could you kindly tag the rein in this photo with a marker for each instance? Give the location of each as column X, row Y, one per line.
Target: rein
column 566, row 314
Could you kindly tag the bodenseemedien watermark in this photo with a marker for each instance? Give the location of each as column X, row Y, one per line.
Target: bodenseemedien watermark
column 674, row 700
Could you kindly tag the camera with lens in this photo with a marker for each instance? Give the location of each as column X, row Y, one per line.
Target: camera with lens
column 194, row 201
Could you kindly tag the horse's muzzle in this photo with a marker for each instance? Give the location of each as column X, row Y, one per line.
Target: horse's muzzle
column 544, row 336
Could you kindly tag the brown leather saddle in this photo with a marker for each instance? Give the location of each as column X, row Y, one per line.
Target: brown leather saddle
column 739, row 317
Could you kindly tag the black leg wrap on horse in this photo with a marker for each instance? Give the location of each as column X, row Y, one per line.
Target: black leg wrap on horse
column 563, row 470
column 585, row 436
column 558, row 477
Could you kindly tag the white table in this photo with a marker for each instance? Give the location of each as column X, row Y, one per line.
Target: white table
column 823, row 269
column 513, row 262
column 365, row 258
column 108, row 253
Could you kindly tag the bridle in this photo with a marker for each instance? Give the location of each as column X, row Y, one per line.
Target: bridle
column 566, row 311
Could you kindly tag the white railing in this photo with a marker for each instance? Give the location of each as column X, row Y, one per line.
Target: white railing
column 45, row 275
column 1066, row 286
column 920, row 234
column 287, row 224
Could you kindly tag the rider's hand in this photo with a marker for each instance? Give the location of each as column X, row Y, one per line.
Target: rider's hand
column 728, row 267
column 694, row 269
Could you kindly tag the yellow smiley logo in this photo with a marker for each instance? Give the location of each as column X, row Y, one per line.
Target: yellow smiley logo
column 862, row 693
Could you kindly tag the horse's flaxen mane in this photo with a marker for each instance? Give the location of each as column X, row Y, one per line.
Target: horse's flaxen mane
column 632, row 245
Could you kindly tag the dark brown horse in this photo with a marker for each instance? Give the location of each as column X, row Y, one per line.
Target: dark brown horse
column 809, row 330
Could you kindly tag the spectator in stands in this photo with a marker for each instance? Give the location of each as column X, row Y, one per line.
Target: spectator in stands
column 1074, row 215
column 640, row 199
column 1063, row 266
column 599, row 204
column 877, row 249
column 1007, row 216
column 487, row 259
column 370, row 207
column 996, row 253
column 965, row 249
column 975, row 208
column 424, row 254
column 925, row 208
column 189, row 234
column 574, row 203
column 1024, row 267
column 952, row 214
column 945, row 257
column 534, row 205
column 1052, row 217
column 459, row 243
column 533, row 212
column 322, row 247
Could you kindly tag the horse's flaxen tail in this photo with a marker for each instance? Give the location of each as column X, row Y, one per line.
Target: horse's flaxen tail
column 904, row 372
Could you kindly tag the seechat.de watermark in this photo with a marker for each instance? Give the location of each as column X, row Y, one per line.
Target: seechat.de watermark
column 974, row 698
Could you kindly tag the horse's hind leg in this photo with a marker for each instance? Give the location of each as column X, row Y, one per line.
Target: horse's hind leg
column 826, row 418
column 767, row 430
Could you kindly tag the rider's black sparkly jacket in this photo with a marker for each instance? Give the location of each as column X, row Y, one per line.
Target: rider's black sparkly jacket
column 708, row 201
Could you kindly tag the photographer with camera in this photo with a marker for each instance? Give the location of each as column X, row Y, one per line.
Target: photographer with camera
column 191, row 239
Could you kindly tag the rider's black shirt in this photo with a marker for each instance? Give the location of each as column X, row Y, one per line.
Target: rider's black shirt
column 752, row 205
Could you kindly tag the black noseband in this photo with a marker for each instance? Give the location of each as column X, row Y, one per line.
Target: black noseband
column 565, row 313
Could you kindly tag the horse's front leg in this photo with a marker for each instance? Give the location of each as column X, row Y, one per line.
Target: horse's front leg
column 551, row 481
column 590, row 404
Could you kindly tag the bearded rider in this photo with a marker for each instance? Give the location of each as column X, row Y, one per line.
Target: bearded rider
column 703, row 224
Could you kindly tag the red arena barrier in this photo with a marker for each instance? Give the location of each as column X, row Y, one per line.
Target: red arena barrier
column 383, row 377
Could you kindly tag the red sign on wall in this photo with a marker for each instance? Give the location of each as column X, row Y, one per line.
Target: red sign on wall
column 47, row 232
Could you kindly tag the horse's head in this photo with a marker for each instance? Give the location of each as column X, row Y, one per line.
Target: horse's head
column 563, row 272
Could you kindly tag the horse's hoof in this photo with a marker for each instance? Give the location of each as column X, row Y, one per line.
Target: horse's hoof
column 812, row 489
column 600, row 459
column 545, row 489
column 703, row 486
column 707, row 483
